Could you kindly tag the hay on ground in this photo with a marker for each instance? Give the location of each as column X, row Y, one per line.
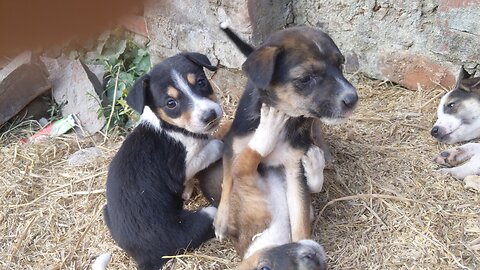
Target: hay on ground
column 383, row 206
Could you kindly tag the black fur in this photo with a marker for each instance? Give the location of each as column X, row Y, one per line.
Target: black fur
column 145, row 182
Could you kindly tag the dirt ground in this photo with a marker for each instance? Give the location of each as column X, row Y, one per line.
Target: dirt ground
column 383, row 205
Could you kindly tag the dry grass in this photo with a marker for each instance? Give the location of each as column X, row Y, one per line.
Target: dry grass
column 383, row 206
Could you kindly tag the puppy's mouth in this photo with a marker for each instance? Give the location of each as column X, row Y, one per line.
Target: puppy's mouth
column 210, row 126
column 445, row 137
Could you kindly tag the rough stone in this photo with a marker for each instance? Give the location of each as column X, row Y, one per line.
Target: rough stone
column 229, row 81
column 410, row 70
column 84, row 156
column 443, row 34
column 74, row 86
column 193, row 25
column 21, row 81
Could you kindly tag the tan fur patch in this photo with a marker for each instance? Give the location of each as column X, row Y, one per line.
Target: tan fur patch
column 173, row 92
column 191, row 78
column 181, row 121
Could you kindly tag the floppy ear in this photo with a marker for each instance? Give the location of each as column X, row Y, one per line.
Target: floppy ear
column 136, row 96
column 463, row 74
column 199, row 59
column 260, row 66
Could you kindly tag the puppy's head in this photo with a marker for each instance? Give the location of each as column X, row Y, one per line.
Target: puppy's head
column 301, row 255
column 299, row 71
column 177, row 92
column 459, row 111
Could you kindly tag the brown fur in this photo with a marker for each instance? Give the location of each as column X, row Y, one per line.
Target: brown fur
column 181, row 121
column 191, row 78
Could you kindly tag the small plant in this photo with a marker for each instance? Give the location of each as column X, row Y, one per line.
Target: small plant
column 122, row 69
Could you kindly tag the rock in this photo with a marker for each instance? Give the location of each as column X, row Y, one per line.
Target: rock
column 229, row 81
column 21, row 81
column 84, row 156
column 197, row 28
column 472, row 182
column 76, row 87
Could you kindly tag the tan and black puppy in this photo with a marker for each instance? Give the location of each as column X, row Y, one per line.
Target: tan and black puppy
column 297, row 73
column 301, row 255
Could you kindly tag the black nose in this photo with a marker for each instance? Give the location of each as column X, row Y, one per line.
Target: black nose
column 435, row 132
column 209, row 116
column 350, row 100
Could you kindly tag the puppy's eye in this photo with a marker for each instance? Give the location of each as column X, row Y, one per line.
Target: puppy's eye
column 171, row 103
column 451, row 105
column 202, row 82
column 265, row 268
column 305, row 79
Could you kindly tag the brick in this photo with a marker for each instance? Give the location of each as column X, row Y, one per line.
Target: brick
column 409, row 69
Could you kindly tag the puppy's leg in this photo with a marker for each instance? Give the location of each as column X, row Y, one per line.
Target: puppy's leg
column 455, row 156
column 209, row 154
column 320, row 141
column 244, row 166
column 188, row 190
column 299, row 201
column 313, row 164
column 468, row 154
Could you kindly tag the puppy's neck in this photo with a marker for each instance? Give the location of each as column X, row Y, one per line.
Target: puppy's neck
column 149, row 119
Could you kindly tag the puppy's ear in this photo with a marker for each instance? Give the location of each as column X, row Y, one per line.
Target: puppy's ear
column 200, row 59
column 471, row 85
column 137, row 95
column 463, row 74
column 260, row 66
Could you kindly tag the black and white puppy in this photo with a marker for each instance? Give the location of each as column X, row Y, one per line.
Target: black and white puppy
column 459, row 120
column 147, row 177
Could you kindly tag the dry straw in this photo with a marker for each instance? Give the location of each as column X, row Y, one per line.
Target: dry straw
column 383, row 205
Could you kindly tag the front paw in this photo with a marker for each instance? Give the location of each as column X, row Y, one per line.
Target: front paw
column 451, row 157
column 215, row 150
column 314, row 163
column 272, row 122
column 221, row 223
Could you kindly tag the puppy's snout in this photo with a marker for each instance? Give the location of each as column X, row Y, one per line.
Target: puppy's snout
column 350, row 100
column 209, row 116
column 436, row 131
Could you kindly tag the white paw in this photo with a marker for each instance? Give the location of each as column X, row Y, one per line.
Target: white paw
column 215, row 150
column 314, row 163
column 101, row 261
column 210, row 211
column 272, row 122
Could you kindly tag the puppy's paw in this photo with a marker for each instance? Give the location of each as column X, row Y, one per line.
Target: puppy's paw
column 314, row 163
column 452, row 157
column 215, row 150
column 221, row 224
column 210, row 211
column 188, row 190
column 272, row 122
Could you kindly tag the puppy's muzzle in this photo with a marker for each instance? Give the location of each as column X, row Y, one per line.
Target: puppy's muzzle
column 350, row 101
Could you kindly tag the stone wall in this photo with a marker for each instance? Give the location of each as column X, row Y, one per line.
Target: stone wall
column 408, row 42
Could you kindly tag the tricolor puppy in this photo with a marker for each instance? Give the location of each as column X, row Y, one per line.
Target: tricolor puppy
column 147, row 177
column 459, row 120
column 271, row 164
column 301, row 255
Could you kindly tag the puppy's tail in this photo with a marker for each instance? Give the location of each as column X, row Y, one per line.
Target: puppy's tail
column 244, row 47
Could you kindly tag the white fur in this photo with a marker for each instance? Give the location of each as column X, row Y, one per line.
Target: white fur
column 278, row 233
column 210, row 211
column 101, row 261
column 150, row 119
column 268, row 131
column 471, row 151
column 454, row 126
column 314, row 163
column 200, row 105
column 224, row 25
column 200, row 153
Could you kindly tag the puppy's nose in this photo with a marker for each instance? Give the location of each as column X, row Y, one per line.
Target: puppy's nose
column 350, row 100
column 435, row 132
column 209, row 116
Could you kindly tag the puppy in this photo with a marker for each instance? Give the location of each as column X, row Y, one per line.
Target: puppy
column 146, row 178
column 301, row 255
column 270, row 158
column 459, row 120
